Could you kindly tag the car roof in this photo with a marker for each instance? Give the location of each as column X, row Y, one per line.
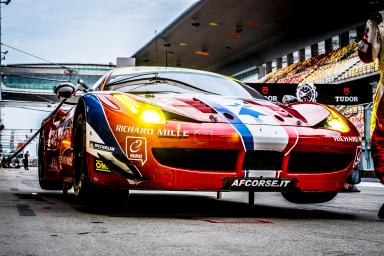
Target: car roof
column 145, row 69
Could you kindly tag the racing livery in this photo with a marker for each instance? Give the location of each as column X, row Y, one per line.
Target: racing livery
column 182, row 129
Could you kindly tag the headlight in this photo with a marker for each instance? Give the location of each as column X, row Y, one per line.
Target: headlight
column 147, row 113
column 153, row 116
column 335, row 121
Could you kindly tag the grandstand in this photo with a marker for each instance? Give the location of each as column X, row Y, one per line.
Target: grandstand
column 333, row 67
column 339, row 66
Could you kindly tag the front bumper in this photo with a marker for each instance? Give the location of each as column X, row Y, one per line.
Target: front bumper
column 203, row 158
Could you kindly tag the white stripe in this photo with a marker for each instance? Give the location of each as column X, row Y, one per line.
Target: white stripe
column 93, row 136
column 294, row 145
column 267, row 133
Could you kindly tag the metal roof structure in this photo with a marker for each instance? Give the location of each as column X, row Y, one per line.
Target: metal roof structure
column 229, row 35
column 34, row 82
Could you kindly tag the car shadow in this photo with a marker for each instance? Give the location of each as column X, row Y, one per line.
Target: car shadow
column 186, row 206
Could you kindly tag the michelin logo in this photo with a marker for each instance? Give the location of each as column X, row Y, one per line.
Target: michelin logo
column 102, row 147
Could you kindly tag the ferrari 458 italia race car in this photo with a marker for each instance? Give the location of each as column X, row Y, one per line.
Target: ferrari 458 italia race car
column 182, row 129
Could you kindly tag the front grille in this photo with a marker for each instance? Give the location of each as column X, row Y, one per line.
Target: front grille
column 262, row 160
column 317, row 162
column 197, row 159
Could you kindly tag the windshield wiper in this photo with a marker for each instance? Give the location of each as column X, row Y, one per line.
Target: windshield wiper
column 151, row 92
column 159, row 80
column 126, row 79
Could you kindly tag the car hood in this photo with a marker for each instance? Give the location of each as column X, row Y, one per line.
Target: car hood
column 214, row 108
column 222, row 109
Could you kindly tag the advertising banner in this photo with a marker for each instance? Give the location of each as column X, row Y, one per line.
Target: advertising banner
column 350, row 93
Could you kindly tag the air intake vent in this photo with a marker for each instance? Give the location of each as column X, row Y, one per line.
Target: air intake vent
column 201, row 106
column 318, row 162
column 262, row 160
column 197, row 159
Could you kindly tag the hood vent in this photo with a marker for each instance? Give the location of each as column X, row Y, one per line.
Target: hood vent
column 199, row 105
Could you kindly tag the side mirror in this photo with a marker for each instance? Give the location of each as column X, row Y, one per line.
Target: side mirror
column 287, row 99
column 64, row 90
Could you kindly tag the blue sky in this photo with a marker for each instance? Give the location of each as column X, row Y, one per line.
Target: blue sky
column 84, row 31
column 81, row 31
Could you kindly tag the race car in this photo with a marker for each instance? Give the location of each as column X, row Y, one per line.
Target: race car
column 181, row 129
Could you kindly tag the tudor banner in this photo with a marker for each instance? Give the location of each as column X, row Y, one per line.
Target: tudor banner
column 351, row 93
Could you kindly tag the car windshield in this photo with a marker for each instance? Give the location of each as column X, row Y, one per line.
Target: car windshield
column 180, row 82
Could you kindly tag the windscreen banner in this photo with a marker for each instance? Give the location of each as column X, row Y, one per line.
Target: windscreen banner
column 350, row 93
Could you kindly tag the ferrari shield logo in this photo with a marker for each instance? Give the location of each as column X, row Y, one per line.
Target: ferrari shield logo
column 136, row 149
column 346, row 90
column 264, row 89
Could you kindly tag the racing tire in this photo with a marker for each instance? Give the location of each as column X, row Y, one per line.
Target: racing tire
column 81, row 185
column 298, row 197
column 84, row 190
column 45, row 184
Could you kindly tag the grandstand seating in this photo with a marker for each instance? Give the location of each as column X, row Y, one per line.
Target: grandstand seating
column 337, row 65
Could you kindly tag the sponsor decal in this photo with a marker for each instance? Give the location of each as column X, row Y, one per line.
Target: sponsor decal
column 344, row 99
column 264, row 89
column 258, row 184
column 272, row 98
column 167, row 133
column 161, row 133
column 347, row 139
column 306, row 92
column 325, row 92
column 133, row 129
column 347, row 98
column 102, row 147
column 170, row 133
column 197, row 134
column 136, row 148
column 100, row 166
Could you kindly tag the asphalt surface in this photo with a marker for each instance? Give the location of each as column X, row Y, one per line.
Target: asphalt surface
column 37, row 222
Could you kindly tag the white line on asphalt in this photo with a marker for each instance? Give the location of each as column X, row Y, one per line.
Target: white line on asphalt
column 370, row 185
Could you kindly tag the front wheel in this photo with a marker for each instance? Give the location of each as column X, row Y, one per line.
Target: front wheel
column 81, row 184
column 298, row 197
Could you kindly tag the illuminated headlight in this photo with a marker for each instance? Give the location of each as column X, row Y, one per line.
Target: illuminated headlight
column 336, row 122
column 153, row 116
column 148, row 113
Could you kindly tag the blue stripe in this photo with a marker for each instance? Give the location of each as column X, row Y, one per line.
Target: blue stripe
column 97, row 120
column 240, row 127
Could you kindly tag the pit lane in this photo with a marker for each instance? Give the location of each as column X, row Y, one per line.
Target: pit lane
column 38, row 222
